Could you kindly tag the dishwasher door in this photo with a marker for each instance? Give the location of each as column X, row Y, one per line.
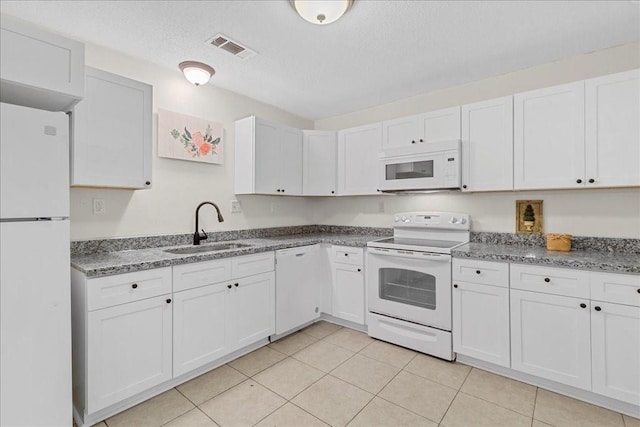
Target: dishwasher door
column 298, row 287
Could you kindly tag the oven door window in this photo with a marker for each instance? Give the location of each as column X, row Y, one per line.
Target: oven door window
column 409, row 170
column 407, row 287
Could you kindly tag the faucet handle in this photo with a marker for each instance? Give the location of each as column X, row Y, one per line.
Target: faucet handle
column 204, row 235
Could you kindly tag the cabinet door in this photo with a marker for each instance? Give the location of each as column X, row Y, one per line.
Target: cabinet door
column 440, row 125
column 111, row 133
column 487, row 145
column 402, row 132
column 348, row 292
column 481, row 322
column 550, row 337
column 548, row 147
column 615, row 349
column 267, row 157
column 129, row 350
column 39, row 69
column 199, row 330
column 252, row 310
column 613, row 130
column 290, row 161
column 358, row 160
column 319, row 163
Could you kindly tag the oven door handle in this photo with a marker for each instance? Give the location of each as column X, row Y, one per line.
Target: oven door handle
column 409, row 254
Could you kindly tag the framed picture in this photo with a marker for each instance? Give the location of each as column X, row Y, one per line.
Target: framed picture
column 189, row 138
column 529, row 217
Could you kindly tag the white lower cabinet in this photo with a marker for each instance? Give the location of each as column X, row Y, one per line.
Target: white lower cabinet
column 615, row 340
column 550, row 337
column 252, row 314
column 348, row 292
column 129, row 350
column 481, row 322
column 199, row 332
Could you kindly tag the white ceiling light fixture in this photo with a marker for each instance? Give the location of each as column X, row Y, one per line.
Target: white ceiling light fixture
column 321, row 12
column 196, row 72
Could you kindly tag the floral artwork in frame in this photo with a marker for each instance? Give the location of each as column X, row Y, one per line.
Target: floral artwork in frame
column 189, row 138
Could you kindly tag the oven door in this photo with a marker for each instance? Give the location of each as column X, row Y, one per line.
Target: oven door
column 410, row 285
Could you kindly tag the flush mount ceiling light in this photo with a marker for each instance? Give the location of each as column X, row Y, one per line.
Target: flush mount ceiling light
column 196, row 72
column 321, row 12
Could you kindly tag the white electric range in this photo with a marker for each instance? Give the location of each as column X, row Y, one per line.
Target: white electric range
column 409, row 281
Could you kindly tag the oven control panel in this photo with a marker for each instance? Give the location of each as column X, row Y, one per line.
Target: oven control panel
column 445, row 220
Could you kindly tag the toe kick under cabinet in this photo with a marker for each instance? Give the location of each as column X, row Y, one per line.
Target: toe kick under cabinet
column 137, row 334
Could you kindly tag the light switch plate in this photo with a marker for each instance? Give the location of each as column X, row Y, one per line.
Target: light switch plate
column 98, row 206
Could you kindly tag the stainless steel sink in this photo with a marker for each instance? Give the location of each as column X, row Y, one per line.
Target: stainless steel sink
column 207, row 248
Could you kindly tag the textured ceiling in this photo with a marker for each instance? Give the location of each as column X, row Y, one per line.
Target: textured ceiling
column 379, row 52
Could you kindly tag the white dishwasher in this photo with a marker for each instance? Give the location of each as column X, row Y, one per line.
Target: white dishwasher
column 298, row 287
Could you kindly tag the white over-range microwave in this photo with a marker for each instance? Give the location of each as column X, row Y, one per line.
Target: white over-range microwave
column 424, row 167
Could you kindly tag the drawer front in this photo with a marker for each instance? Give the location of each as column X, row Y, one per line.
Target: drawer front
column 615, row 288
column 347, row 255
column 549, row 280
column 190, row 276
column 108, row 291
column 249, row 265
column 482, row 272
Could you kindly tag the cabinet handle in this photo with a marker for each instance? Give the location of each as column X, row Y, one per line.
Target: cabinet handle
column 422, row 140
column 168, row 300
column 583, row 305
column 464, row 186
column 229, row 286
column 597, row 308
column 283, row 190
column 639, row 290
column 546, row 279
column 579, row 181
column 278, row 190
column 359, row 270
column 346, row 254
column 413, row 142
column 477, row 271
column 236, row 284
column 333, row 192
column 455, row 286
column 591, row 181
column 148, row 183
column 134, row 286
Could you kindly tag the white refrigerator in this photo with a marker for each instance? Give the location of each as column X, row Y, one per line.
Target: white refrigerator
column 35, row 312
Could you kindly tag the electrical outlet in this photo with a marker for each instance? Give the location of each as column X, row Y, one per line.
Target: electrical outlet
column 98, row 206
column 235, row 206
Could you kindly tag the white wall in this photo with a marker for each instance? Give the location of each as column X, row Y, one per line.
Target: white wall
column 607, row 212
column 178, row 186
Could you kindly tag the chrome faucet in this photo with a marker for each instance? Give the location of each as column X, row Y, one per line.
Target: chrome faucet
column 197, row 237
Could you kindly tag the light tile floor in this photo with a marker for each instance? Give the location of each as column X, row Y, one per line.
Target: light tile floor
column 329, row 375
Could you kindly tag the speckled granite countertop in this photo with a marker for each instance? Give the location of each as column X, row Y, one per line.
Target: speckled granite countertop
column 106, row 264
column 615, row 262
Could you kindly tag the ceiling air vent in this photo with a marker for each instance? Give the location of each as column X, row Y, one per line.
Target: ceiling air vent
column 233, row 47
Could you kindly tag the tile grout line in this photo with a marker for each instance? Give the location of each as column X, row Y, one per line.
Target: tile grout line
column 535, row 403
column 454, row 397
column 196, row 406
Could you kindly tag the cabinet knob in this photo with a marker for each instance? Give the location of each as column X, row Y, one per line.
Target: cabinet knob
column 168, row 300
column 583, row 305
column 546, row 279
column 422, row 140
column 455, row 286
column 134, row 286
column 597, row 308
column 283, row 190
column 591, row 181
column 148, row 183
column 464, row 186
column 413, row 142
column 579, row 181
column 477, row 271
column 639, row 290
column 333, row 192
column 229, row 286
column 346, row 254
column 359, row 270
column 236, row 284
column 278, row 190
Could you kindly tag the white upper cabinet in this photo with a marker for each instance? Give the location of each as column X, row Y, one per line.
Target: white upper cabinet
column 319, row 150
column 613, row 130
column 487, row 145
column 268, row 158
column 39, row 69
column 358, row 160
column 549, row 138
column 111, row 133
column 440, row 125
